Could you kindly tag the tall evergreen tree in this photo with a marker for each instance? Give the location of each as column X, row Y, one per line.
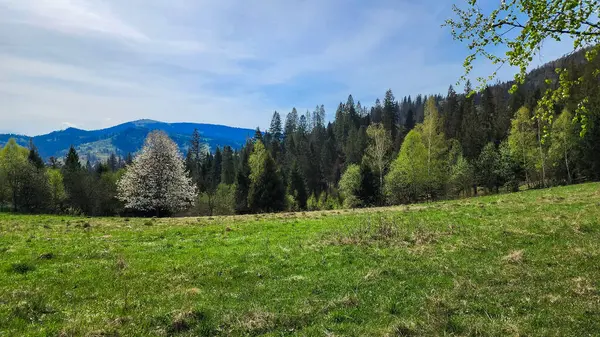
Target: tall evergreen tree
column 34, row 156
column 452, row 116
column 377, row 112
column 228, row 167
column 275, row 129
column 390, row 114
column 242, row 180
column 297, row 187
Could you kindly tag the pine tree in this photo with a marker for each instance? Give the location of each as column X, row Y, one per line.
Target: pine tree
column 228, row 168
column 291, row 123
column 340, row 125
column 129, row 159
column 34, row 156
column 242, row 180
column 377, row 112
column 472, row 137
column 487, row 168
column 76, row 182
column 369, row 190
column 452, row 116
column 72, row 160
column 487, row 116
column 258, row 135
column 216, row 169
column 352, row 149
column 275, row 129
column 390, row 114
column 157, row 182
column 410, row 120
column 113, row 163
column 297, row 187
column 461, row 173
column 351, row 113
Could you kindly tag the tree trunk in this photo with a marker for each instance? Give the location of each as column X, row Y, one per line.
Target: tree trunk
column 542, row 156
column 568, row 170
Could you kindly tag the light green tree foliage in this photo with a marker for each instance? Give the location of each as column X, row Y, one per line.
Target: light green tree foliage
column 14, row 172
column 224, row 199
column 220, row 201
column 350, row 186
column 522, row 141
column 257, row 160
column 408, row 179
column 267, row 193
column 312, row 204
column 435, row 143
column 379, row 146
column 563, row 141
column 522, row 26
column 57, row 189
column 461, row 175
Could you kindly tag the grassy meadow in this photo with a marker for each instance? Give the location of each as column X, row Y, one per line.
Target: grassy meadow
column 516, row 264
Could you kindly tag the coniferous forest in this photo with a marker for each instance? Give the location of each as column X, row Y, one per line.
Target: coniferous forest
column 396, row 151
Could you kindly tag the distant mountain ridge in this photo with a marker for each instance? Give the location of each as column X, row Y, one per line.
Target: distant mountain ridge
column 129, row 138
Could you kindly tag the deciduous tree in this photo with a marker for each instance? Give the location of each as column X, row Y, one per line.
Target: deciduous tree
column 157, row 182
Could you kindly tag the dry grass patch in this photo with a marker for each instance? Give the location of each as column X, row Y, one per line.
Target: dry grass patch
column 256, row 321
column 514, row 257
column 583, row 287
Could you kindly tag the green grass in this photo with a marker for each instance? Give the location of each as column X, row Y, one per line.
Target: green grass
column 517, row 264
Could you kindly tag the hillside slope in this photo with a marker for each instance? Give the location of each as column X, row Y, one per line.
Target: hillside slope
column 514, row 264
column 129, row 137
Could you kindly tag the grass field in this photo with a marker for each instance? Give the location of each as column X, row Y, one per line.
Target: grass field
column 518, row 264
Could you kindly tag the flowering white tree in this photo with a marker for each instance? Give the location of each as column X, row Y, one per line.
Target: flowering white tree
column 157, row 180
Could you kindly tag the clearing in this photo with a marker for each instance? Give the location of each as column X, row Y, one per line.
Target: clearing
column 516, row 264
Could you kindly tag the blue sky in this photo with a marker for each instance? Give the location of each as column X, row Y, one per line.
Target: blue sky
column 97, row 63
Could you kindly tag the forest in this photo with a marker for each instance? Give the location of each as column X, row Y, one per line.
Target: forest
column 398, row 151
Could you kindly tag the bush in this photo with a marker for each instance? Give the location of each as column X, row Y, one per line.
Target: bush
column 312, row 204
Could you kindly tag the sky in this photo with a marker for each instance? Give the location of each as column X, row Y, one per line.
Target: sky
column 97, row 63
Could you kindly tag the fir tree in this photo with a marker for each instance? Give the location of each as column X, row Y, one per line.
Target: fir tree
column 34, row 156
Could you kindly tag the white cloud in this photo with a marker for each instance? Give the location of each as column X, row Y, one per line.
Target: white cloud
column 73, row 16
column 66, row 125
column 100, row 62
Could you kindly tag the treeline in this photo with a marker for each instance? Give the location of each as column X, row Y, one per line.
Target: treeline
column 28, row 185
column 397, row 151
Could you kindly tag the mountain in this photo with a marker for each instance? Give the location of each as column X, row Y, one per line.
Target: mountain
column 129, row 137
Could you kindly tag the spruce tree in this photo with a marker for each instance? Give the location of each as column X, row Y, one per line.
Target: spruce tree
column 390, row 114
column 228, row 168
column 297, row 187
column 275, row 129
column 242, row 180
column 34, row 156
